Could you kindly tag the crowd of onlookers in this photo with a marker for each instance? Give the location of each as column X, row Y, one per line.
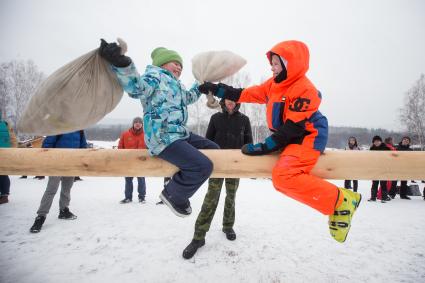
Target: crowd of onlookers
column 384, row 190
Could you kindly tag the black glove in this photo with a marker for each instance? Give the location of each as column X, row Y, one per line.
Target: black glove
column 111, row 52
column 221, row 90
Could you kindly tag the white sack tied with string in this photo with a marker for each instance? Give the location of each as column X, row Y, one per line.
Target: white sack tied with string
column 214, row 66
column 74, row 97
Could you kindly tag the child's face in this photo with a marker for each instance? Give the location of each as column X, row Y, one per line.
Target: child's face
column 276, row 66
column 174, row 67
column 352, row 141
column 230, row 105
column 405, row 141
column 137, row 125
column 377, row 142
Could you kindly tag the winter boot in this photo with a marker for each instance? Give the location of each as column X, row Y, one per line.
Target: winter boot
column 4, row 199
column 230, row 234
column 142, row 200
column 126, row 200
column 340, row 221
column 38, row 223
column 181, row 210
column 191, row 249
column 66, row 214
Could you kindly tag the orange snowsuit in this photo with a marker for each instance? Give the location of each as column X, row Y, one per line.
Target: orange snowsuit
column 295, row 101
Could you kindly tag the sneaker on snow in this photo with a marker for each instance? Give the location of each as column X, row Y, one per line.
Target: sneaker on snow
column 340, row 221
column 38, row 223
column 126, row 200
column 191, row 249
column 230, row 234
column 142, row 200
column 372, row 199
column 66, row 214
column 405, row 197
column 181, row 210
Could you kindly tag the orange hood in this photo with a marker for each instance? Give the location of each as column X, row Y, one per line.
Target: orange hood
column 296, row 54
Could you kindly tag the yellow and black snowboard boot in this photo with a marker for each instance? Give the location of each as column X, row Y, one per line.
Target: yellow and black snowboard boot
column 340, row 221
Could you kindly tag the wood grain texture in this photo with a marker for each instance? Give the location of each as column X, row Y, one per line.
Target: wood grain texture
column 340, row 165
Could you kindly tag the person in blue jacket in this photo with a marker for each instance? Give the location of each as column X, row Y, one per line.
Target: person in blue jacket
column 75, row 139
column 165, row 99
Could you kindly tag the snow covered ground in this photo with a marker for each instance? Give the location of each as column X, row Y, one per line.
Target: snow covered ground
column 278, row 239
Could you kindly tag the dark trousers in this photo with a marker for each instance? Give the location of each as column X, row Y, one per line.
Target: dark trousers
column 374, row 190
column 209, row 206
column 4, row 185
column 403, row 189
column 347, row 185
column 392, row 191
column 141, row 187
column 195, row 167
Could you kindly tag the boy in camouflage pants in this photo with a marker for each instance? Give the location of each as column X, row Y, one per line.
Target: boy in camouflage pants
column 230, row 129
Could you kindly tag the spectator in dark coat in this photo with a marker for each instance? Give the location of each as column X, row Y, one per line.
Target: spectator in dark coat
column 404, row 145
column 69, row 140
column 377, row 144
column 352, row 145
column 229, row 129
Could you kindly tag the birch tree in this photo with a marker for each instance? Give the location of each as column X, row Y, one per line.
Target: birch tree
column 18, row 82
column 413, row 112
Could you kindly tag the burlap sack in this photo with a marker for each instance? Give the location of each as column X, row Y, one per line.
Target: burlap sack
column 74, row 97
column 214, row 66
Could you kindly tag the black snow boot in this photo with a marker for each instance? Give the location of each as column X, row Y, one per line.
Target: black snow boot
column 191, row 249
column 66, row 214
column 38, row 223
column 230, row 234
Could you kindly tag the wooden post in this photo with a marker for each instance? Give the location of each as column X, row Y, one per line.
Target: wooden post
column 340, row 165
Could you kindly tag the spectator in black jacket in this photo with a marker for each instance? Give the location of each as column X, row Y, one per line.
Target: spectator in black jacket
column 404, row 145
column 229, row 129
column 377, row 144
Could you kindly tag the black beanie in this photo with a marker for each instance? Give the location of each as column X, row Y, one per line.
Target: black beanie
column 376, row 138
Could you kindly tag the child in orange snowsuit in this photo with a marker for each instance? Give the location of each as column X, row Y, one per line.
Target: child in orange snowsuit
column 299, row 129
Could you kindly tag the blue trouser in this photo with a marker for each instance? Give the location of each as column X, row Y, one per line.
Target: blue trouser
column 141, row 187
column 4, row 185
column 195, row 167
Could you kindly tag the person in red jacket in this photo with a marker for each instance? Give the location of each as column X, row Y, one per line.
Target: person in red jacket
column 299, row 130
column 133, row 138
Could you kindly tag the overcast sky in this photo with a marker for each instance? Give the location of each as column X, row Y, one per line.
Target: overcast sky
column 365, row 54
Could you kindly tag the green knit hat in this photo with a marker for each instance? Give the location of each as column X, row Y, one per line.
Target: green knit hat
column 162, row 55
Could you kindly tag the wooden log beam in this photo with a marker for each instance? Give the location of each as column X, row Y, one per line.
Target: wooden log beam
column 340, row 165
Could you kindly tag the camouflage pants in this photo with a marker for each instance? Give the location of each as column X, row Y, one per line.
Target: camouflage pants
column 203, row 222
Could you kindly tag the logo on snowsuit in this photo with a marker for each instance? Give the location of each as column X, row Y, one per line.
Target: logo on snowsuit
column 300, row 105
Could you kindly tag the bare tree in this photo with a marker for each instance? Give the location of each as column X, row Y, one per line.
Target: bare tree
column 413, row 113
column 200, row 114
column 18, row 82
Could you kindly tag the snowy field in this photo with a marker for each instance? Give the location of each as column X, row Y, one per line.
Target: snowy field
column 278, row 239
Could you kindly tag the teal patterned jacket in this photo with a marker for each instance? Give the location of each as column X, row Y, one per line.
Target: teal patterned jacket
column 164, row 100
